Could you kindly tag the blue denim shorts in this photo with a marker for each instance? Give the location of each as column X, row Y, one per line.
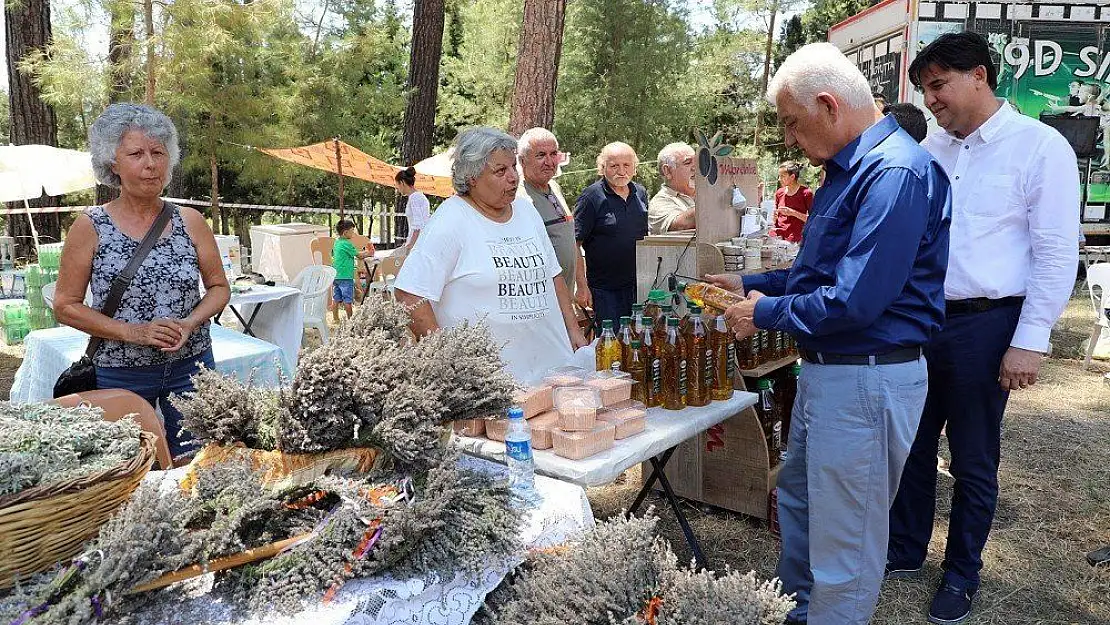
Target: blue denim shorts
column 155, row 384
column 343, row 291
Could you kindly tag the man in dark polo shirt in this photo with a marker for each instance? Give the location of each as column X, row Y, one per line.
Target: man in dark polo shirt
column 611, row 215
column 539, row 156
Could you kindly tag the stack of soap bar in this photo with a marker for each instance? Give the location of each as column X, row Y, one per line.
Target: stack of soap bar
column 579, row 445
column 615, row 387
column 534, row 400
column 469, row 427
column 496, row 429
column 542, row 427
column 628, row 421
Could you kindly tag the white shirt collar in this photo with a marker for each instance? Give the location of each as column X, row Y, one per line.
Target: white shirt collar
column 990, row 129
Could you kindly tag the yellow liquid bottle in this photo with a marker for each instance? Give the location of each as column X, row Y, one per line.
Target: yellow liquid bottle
column 699, row 361
column 674, row 368
column 637, row 321
column 608, row 348
column 704, row 294
column 636, row 370
column 653, row 374
column 724, row 351
column 625, row 337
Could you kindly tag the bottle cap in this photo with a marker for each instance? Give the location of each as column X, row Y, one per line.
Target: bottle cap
column 667, row 308
column 796, row 369
column 625, row 320
column 657, row 295
column 672, row 322
column 648, row 322
column 636, row 344
column 695, row 310
column 516, row 413
column 606, row 324
column 764, row 384
column 637, row 308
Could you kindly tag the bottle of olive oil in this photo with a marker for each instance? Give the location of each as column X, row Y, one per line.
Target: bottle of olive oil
column 674, row 368
column 608, row 351
column 653, row 374
column 625, row 336
column 637, row 370
column 699, row 361
column 724, row 351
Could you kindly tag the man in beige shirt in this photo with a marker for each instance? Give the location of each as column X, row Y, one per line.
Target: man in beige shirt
column 673, row 207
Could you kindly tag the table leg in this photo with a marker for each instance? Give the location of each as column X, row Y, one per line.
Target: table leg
column 658, row 464
column 248, row 322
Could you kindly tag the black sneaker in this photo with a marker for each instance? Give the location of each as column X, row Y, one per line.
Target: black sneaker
column 900, row 571
column 951, row 605
column 791, row 621
column 1099, row 556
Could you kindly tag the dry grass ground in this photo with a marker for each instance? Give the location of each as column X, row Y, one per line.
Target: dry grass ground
column 1055, row 503
column 1054, row 508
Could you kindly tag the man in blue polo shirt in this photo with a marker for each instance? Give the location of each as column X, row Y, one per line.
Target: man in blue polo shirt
column 864, row 295
column 611, row 215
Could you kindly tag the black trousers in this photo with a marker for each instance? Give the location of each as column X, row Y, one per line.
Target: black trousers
column 612, row 305
column 964, row 395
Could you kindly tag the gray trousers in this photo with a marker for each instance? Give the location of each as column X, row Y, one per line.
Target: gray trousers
column 850, row 434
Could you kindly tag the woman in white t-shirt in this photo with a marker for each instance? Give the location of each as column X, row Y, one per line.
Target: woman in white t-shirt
column 485, row 257
column 417, row 209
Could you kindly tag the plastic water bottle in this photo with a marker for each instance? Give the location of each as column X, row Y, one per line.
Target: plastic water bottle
column 518, row 454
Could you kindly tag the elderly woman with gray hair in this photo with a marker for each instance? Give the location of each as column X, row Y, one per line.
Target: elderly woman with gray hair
column 485, row 256
column 158, row 336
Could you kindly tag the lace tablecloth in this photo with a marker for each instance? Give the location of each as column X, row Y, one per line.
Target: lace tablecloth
column 50, row 352
column 280, row 320
column 562, row 514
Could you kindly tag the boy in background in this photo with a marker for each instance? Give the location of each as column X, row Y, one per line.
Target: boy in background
column 343, row 256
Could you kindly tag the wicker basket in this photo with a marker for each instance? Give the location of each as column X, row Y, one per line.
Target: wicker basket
column 43, row 525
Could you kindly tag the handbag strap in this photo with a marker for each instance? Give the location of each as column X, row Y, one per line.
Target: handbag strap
column 124, row 278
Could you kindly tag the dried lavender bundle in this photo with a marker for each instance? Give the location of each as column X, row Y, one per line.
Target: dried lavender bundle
column 43, row 443
column 705, row 598
column 607, row 577
column 221, row 409
column 463, row 365
column 378, row 313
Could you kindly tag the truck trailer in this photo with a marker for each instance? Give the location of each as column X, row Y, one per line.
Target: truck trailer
column 1053, row 61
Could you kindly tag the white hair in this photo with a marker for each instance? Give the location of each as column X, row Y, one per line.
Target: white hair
column 669, row 154
column 609, row 150
column 473, row 148
column 106, row 133
column 530, row 136
column 817, row 68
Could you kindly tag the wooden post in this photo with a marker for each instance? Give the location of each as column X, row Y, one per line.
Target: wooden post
column 339, row 169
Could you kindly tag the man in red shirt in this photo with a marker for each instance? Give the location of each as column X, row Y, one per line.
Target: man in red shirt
column 792, row 203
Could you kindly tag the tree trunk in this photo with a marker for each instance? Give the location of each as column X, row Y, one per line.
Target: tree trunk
column 766, row 74
column 26, row 29
column 121, row 44
column 148, row 23
column 537, row 65
column 214, row 169
column 422, row 86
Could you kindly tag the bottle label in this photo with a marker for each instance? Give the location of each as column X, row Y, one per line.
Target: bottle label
column 777, row 435
column 656, row 376
column 729, row 371
column 616, row 366
column 519, row 450
column 682, row 377
column 707, row 368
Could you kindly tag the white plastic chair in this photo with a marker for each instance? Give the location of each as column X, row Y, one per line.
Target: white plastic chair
column 1098, row 277
column 386, row 274
column 315, row 283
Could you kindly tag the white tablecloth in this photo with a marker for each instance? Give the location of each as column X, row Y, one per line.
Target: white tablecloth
column 50, row 352
column 280, row 321
column 664, row 429
column 563, row 514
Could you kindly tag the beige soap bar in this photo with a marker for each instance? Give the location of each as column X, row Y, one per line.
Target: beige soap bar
column 628, row 421
column 535, row 400
column 470, row 427
column 542, row 427
column 613, row 390
column 579, row 445
column 496, row 429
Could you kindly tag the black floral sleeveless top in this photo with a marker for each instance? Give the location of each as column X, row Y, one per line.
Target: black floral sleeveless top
column 167, row 285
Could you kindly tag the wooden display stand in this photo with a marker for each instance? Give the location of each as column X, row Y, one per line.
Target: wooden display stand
column 728, row 465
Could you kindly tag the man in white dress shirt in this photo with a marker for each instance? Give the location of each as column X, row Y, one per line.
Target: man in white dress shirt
column 1012, row 266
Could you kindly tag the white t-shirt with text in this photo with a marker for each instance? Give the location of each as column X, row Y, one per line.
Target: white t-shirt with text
column 472, row 269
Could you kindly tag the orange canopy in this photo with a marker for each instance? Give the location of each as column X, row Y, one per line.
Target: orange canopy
column 357, row 164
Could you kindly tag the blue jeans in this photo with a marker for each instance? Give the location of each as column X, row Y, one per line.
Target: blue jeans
column 612, row 305
column 851, row 430
column 964, row 394
column 343, row 291
column 155, row 383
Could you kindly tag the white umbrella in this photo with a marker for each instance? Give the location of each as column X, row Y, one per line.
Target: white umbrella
column 438, row 165
column 29, row 171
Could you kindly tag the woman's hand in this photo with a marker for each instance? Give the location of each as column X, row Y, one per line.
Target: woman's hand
column 577, row 339
column 160, row 333
column 186, row 327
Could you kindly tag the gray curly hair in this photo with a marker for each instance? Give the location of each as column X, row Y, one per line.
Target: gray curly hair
column 473, row 148
column 107, row 131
